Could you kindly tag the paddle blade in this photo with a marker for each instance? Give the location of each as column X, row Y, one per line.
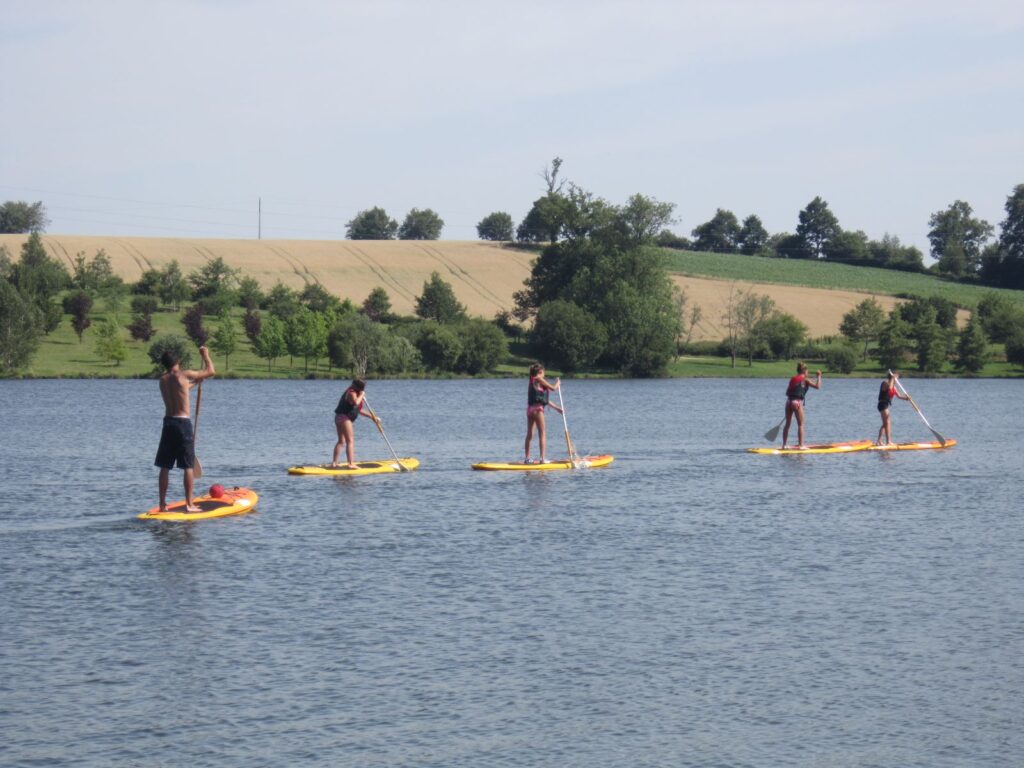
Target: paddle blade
column 773, row 433
column 197, row 469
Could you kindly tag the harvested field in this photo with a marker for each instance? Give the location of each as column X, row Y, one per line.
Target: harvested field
column 483, row 275
column 820, row 309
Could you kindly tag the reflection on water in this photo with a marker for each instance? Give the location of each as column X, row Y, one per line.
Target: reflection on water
column 691, row 604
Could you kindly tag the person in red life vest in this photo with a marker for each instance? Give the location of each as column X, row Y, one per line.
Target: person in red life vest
column 536, row 398
column 886, row 392
column 795, row 394
column 349, row 407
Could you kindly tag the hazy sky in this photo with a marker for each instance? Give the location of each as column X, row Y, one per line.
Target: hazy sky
column 173, row 118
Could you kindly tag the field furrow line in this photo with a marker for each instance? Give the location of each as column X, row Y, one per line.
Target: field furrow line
column 462, row 275
column 301, row 266
column 131, row 255
column 53, row 245
column 294, row 264
column 380, row 271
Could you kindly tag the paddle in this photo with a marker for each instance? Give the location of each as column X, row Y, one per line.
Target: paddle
column 381, row 430
column 197, row 468
column 565, row 423
column 772, row 433
column 906, row 394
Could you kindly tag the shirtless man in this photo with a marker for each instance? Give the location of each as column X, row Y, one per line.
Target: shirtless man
column 176, row 442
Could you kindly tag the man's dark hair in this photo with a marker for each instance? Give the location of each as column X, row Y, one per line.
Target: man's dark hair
column 168, row 359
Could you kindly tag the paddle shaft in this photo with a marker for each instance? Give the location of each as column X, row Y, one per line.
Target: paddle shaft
column 565, row 424
column 906, row 394
column 197, row 469
column 381, row 430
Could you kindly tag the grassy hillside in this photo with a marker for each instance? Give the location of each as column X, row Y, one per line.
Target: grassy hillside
column 818, row 274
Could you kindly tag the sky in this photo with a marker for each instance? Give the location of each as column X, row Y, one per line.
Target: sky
column 210, row 118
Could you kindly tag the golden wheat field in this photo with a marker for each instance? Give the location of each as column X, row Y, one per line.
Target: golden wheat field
column 483, row 275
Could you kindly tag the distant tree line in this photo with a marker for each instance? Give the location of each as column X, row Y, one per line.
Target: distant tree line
column 964, row 247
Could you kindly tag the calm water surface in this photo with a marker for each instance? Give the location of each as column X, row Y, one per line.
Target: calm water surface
column 692, row 605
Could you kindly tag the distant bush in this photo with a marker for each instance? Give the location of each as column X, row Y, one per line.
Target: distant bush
column 144, row 305
column 841, row 359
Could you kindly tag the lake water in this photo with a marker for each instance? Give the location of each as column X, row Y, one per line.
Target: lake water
column 691, row 605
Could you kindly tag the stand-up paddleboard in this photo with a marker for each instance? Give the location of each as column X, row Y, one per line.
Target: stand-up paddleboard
column 233, row 501
column 856, row 445
column 582, row 462
column 936, row 445
column 365, row 468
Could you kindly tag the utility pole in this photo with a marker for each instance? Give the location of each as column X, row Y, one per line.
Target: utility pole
column 259, row 219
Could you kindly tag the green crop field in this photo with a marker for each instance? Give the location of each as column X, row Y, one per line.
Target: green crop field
column 819, row 274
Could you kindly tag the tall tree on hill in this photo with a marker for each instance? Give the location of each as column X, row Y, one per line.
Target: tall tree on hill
column 957, row 238
column 18, row 217
column 752, row 236
column 1005, row 265
column 371, row 224
column 817, row 226
column 495, row 226
column 720, row 234
column 642, row 218
column 421, row 225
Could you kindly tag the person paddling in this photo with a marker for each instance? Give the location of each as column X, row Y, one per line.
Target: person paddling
column 795, row 394
column 537, row 398
column 177, row 443
column 886, row 392
column 349, row 407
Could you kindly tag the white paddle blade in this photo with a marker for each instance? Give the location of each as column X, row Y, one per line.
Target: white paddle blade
column 197, row 469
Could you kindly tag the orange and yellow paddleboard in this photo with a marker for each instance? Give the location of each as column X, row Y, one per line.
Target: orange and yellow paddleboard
column 234, row 501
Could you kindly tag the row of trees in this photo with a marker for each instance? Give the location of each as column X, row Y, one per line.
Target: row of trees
column 963, row 246
column 923, row 331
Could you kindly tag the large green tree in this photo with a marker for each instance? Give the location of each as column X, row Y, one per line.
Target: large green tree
column 213, row 278
column 957, row 238
column 421, row 225
column 495, row 226
column 17, row 216
column 863, row 323
column 438, row 302
column 816, row 226
column 752, row 311
column 371, row 224
column 720, row 234
column 972, row 350
column 567, row 336
column 642, row 218
column 377, row 306
column 752, row 236
column 1005, row 265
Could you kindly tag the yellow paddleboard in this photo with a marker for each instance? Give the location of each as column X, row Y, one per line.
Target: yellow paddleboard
column 234, row 501
column 913, row 446
column 582, row 462
column 365, row 468
column 856, row 445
